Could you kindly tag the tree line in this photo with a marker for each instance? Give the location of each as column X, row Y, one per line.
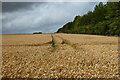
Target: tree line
column 104, row 20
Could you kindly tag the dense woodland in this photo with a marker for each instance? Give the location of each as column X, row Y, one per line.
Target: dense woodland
column 104, row 20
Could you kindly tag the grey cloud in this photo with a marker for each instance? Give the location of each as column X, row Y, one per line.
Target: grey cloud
column 47, row 17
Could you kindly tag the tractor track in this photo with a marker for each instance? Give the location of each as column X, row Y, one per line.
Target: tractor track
column 58, row 41
column 29, row 44
column 67, row 42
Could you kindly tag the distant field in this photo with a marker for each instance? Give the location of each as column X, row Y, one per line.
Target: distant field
column 71, row 56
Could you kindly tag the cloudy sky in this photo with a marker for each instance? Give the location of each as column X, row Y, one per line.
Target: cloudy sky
column 47, row 17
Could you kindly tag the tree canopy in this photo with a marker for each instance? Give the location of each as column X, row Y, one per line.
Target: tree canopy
column 104, row 20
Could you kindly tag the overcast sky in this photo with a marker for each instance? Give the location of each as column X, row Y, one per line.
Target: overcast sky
column 47, row 17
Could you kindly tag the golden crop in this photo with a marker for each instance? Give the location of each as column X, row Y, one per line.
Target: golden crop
column 75, row 56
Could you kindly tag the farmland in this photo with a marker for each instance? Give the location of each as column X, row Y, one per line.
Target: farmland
column 72, row 56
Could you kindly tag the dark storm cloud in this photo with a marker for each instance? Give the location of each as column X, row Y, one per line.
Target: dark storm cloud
column 15, row 6
column 47, row 17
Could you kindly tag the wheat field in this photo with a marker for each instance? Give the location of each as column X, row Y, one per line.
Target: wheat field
column 71, row 56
